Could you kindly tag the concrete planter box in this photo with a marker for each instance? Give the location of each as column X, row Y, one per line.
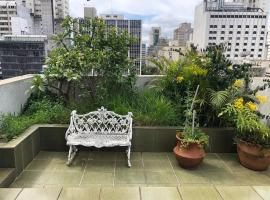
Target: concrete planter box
column 19, row 152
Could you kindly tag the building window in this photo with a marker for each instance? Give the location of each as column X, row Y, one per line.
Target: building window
column 222, row 32
column 237, row 44
column 261, row 44
column 230, row 32
column 236, row 49
column 263, row 26
column 230, row 38
column 238, row 32
column 236, row 55
column 255, row 26
column 261, row 38
column 247, row 26
column 259, row 55
column 239, row 26
column 244, row 50
column 251, row 55
column 262, row 32
column 223, row 26
column 254, row 32
column 246, row 32
column 260, row 49
column 252, row 50
column 245, row 44
column 222, row 38
column 231, row 26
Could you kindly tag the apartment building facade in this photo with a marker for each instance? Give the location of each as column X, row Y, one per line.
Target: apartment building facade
column 241, row 28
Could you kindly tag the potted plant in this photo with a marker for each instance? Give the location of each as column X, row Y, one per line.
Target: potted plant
column 189, row 150
column 252, row 135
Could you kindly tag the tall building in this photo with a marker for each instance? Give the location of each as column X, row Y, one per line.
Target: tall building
column 268, row 45
column 241, row 28
column 20, row 55
column 144, row 55
column 38, row 17
column 134, row 28
column 263, row 4
column 90, row 12
column 183, row 33
column 12, row 18
column 155, row 35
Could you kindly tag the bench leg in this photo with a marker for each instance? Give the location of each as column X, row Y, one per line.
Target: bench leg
column 128, row 155
column 71, row 154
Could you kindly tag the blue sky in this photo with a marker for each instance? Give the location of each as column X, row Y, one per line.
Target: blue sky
column 165, row 13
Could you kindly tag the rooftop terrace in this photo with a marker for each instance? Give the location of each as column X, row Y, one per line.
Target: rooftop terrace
column 104, row 175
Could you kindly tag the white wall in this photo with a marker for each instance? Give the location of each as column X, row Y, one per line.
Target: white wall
column 13, row 93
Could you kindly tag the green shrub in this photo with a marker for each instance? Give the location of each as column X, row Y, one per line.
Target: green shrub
column 149, row 108
column 38, row 112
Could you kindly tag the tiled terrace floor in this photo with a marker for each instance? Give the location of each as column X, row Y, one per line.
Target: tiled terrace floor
column 157, row 176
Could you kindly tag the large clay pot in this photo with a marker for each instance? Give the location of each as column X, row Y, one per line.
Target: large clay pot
column 189, row 157
column 253, row 157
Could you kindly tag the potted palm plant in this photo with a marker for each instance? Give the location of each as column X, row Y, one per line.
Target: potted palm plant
column 252, row 135
column 189, row 150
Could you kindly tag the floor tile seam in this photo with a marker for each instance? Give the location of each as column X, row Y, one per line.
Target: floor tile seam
column 140, row 193
column 83, row 172
column 144, row 172
column 59, row 193
column 179, row 192
column 18, row 194
column 226, row 165
column 218, row 192
column 252, row 187
column 114, row 174
column 178, row 181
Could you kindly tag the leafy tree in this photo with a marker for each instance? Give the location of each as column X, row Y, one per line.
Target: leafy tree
column 83, row 49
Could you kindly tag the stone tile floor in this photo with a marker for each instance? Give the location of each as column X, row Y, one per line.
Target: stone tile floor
column 105, row 175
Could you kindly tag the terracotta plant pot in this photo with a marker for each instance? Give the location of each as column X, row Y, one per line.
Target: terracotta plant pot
column 253, row 157
column 189, row 157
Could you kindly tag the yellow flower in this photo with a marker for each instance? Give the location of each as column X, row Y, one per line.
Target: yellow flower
column 251, row 106
column 261, row 99
column 197, row 71
column 230, row 67
column 239, row 103
column 238, row 83
column 179, row 79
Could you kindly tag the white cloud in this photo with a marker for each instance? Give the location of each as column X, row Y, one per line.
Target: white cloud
column 165, row 13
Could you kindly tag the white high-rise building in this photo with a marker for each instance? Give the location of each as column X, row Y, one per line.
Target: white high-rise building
column 47, row 15
column 263, row 4
column 15, row 18
column 242, row 28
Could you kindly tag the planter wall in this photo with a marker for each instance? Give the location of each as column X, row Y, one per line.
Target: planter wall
column 146, row 139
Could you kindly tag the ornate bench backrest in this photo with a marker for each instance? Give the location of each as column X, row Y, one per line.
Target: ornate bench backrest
column 101, row 122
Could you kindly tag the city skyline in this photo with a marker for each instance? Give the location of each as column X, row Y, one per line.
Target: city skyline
column 165, row 13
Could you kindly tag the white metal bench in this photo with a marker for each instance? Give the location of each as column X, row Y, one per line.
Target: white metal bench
column 100, row 128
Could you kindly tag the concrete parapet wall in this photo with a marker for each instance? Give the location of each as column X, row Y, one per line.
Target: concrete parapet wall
column 13, row 93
